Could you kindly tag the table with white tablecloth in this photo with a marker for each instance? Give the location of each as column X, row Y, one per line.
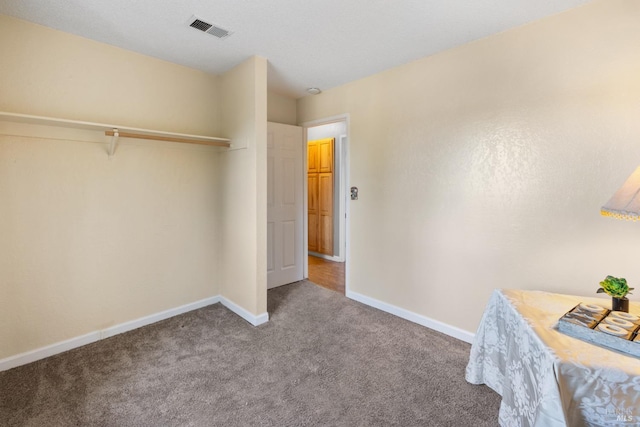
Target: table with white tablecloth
column 547, row 378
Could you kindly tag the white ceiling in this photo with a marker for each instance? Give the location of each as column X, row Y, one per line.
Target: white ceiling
column 309, row 43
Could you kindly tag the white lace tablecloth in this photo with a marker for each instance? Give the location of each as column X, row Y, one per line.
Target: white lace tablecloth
column 546, row 378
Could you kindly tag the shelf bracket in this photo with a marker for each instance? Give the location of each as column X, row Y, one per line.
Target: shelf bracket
column 114, row 142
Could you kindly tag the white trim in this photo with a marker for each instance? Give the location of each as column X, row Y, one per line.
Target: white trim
column 251, row 318
column 327, row 257
column 153, row 318
column 436, row 325
column 342, row 205
column 50, row 350
column 305, row 207
column 327, row 120
column 346, row 166
column 70, row 344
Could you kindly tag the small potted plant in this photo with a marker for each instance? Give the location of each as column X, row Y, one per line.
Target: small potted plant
column 617, row 289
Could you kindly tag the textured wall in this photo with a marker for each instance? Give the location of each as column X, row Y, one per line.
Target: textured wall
column 485, row 166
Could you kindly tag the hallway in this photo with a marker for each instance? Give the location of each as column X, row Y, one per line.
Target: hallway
column 328, row 274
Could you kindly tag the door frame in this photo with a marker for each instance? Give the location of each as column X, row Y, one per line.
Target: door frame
column 344, row 190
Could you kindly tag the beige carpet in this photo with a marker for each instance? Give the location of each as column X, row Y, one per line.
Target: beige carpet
column 322, row 360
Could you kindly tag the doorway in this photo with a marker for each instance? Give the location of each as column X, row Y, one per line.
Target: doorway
column 328, row 274
column 327, row 267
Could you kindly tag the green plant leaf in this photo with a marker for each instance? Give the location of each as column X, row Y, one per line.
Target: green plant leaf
column 614, row 286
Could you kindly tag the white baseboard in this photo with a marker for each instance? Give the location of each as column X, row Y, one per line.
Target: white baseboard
column 62, row 346
column 50, row 350
column 436, row 325
column 147, row 320
column 327, row 257
column 251, row 318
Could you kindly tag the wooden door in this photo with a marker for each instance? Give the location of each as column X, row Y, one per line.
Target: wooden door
column 313, row 160
column 285, row 204
column 313, row 211
column 325, row 155
column 325, row 208
column 320, row 192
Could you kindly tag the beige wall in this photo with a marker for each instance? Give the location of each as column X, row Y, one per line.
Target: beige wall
column 50, row 73
column 243, row 176
column 87, row 243
column 485, row 166
column 281, row 109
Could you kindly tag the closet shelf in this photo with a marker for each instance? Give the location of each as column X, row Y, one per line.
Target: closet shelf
column 116, row 131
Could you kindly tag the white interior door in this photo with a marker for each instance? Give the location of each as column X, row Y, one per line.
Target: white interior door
column 285, row 204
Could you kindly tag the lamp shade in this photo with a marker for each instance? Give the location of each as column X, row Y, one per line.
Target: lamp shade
column 625, row 203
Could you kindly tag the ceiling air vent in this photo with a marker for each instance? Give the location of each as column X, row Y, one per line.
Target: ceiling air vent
column 214, row 30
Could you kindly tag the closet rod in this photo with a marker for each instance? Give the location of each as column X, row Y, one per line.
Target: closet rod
column 114, row 142
column 167, row 138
